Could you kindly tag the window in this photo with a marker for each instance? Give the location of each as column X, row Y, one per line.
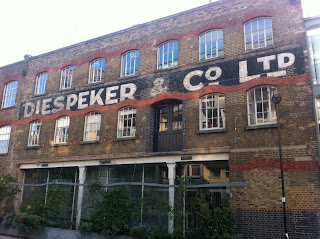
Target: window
column 168, row 55
column 92, row 126
column 62, row 130
column 41, row 83
column 127, row 122
column 212, row 112
column 34, row 133
column 258, row 33
column 9, row 94
column 193, row 171
column 261, row 110
column 130, row 63
column 67, row 77
column 4, row 138
column 313, row 43
column 96, row 73
column 211, row 44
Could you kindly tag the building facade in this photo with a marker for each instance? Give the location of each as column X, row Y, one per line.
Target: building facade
column 185, row 95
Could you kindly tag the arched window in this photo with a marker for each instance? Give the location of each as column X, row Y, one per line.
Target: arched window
column 62, row 130
column 96, row 72
column 10, row 94
column 127, row 122
column 67, row 77
column 258, row 33
column 261, row 110
column 4, row 138
column 41, row 83
column 212, row 112
column 130, row 63
column 34, row 133
column 92, row 126
column 168, row 55
column 211, row 44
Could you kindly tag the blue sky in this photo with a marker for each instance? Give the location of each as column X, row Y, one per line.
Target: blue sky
column 39, row 26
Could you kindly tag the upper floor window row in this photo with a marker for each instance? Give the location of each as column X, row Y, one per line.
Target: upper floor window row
column 258, row 33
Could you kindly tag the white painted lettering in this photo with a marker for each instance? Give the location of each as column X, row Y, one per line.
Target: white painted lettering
column 218, row 73
column 28, row 109
column 38, row 107
column 243, row 72
column 46, row 106
column 281, row 60
column 127, row 95
column 82, row 100
column 110, row 94
column 58, row 104
column 187, row 78
column 71, row 101
column 96, row 97
column 266, row 61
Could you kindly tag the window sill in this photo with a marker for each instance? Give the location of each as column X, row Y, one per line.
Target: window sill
column 90, row 142
column 259, row 49
column 125, row 138
column 128, row 77
column 167, row 69
column 96, row 83
column 39, row 95
column 262, row 126
column 208, row 131
column 68, row 89
column 61, row 144
column 33, row 147
column 212, row 59
column 6, row 108
column 3, row 154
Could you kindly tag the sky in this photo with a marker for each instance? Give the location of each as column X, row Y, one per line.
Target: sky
column 35, row 27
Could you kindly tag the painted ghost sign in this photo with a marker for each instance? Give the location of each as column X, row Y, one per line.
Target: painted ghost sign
column 233, row 72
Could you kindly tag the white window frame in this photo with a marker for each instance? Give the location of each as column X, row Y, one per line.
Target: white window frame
column 127, row 122
column 210, row 41
column 189, row 172
column 41, row 83
column 130, row 63
column 168, row 50
column 96, row 73
column 255, row 105
column 4, row 138
column 62, row 130
column 67, row 75
column 252, row 32
column 10, row 94
column 92, row 126
column 210, row 103
column 34, row 133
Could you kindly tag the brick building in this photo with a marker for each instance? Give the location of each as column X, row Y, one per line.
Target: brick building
column 188, row 94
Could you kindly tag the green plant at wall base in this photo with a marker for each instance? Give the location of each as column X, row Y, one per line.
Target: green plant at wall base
column 7, row 190
column 114, row 212
column 28, row 222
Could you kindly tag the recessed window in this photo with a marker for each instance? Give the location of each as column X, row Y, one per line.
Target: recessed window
column 130, row 63
column 168, row 55
column 67, row 77
column 4, row 138
column 34, row 133
column 193, row 171
column 10, row 94
column 41, row 83
column 62, row 130
column 212, row 112
column 127, row 122
column 92, row 126
column 96, row 73
column 261, row 110
column 258, row 33
column 211, row 44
